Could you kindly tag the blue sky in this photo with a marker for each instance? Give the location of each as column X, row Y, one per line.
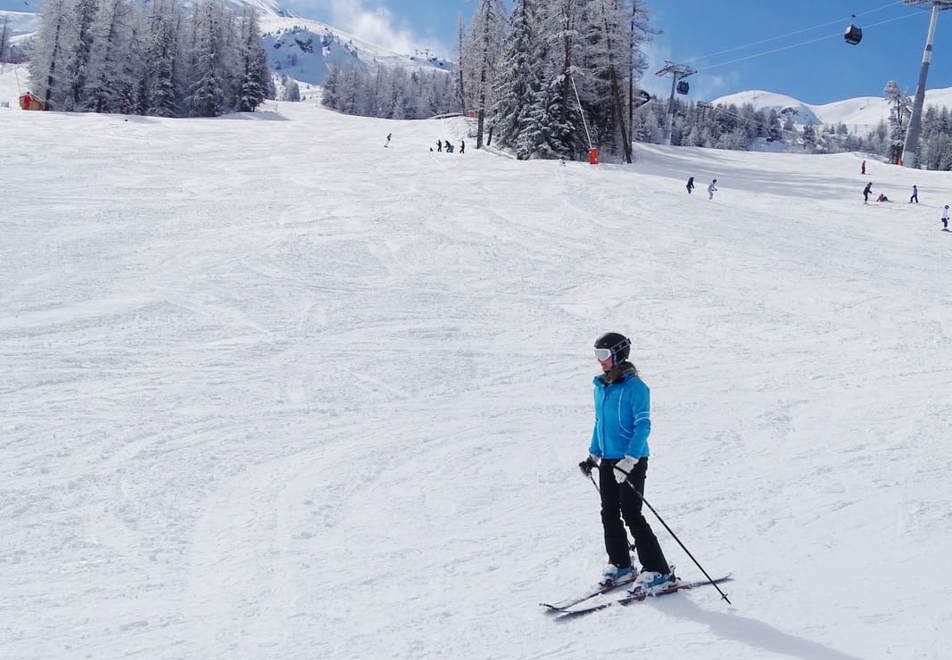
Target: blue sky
column 698, row 32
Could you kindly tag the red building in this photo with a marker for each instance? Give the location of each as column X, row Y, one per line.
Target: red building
column 30, row 102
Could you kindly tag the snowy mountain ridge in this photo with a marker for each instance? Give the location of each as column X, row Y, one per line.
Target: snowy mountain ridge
column 860, row 114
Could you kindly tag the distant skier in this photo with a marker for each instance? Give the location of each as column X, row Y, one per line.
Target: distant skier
column 945, row 218
column 862, row 167
column 619, row 451
column 915, row 194
column 449, row 148
column 867, row 191
column 690, row 185
column 462, row 146
column 882, row 198
column 562, row 161
column 439, row 145
column 389, row 135
column 711, row 189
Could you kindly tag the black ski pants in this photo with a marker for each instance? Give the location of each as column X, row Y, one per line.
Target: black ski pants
column 619, row 501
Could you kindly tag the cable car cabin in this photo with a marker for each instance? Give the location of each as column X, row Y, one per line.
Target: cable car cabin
column 683, row 87
column 853, row 35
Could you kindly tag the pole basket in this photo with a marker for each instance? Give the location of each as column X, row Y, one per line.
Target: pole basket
column 593, row 156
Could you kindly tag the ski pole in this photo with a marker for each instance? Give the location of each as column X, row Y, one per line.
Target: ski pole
column 597, row 490
column 671, row 532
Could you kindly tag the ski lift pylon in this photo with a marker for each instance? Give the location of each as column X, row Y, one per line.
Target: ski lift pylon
column 853, row 34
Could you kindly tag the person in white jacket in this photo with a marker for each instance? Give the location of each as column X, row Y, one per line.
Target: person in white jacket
column 711, row 189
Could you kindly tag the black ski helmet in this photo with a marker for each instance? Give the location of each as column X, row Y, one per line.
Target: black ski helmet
column 618, row 344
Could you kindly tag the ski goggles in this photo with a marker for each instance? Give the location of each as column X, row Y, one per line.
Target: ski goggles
column 602, row 354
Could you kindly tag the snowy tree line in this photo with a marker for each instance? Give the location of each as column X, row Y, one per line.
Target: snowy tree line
column 389, row 92
column 739, row 127
column 150, row 59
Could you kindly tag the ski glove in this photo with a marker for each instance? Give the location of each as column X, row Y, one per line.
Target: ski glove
column 588, row 465
column 624, row 467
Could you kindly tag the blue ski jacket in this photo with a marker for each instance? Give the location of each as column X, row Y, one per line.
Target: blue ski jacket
column 622, row 418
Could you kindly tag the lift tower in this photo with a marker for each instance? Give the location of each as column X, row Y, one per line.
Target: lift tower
column 677, row 72
column 910, row 149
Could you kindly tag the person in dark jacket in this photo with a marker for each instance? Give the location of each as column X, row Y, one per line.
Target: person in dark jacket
column 690, row 185
column 619, row 450
column 867, row 191
column 915, row 194
column 439, row 145
column 462, row 146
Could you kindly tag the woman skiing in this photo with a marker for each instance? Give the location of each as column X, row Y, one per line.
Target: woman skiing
column 619, row 449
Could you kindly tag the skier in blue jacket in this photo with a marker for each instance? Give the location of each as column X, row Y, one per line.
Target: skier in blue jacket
column 619, row 449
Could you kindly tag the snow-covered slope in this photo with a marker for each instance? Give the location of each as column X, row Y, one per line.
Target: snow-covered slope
column 304, row 48
column 272, row 390
column 860, row 114
column 20, row 23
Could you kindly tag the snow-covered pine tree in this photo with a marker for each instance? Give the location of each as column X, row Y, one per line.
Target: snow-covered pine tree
column 78, row 49
column 900, row 110
column 111, row 48
column 160, row 91
column 255, row 77
column 331, row 92
column 555, row 112
column 519, row 81
column 206, row 92
column 487, row 36
column 4, row 37
column 608, row 37
column 292, row 92
column 49, row 57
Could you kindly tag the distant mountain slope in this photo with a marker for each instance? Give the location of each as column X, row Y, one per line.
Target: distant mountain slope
column 304, row 48
column 860, row 114
column 20, row 23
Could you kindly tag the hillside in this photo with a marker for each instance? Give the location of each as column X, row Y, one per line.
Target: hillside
column 861, row 115
column 315, row 398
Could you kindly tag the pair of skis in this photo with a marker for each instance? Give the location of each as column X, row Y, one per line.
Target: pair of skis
column 573, row 608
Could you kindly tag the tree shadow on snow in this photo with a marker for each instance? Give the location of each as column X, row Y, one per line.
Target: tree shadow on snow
column 752, row 632
column 260, row 115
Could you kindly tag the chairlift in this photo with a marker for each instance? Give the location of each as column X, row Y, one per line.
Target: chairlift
column 853, row 34
column 683, row 87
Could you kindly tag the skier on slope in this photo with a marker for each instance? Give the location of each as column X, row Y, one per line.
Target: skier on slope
column 945, row 218
column 389, row 135
column 690, row 185
column 867, row 191
column 915, row 194
column 711, row 189
column 619, row 450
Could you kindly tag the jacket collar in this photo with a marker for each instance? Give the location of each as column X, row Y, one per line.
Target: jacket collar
column 617, row 374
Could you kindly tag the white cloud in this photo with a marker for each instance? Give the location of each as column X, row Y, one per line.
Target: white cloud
column 371, row 22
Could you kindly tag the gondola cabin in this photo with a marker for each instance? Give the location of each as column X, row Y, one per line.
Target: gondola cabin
column 683, row 87
column 853, row 34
